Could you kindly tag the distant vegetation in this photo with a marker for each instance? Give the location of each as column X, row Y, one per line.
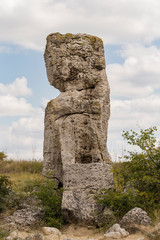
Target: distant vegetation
column 12, row 166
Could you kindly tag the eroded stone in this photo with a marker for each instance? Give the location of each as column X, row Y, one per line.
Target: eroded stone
column 116, row 232
column 136, row 216
column 76, row 122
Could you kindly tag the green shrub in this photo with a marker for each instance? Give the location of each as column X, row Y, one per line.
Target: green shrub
column 3, row 234
column 50, row 201
column 3, row 156
column 119, row 202
column 5, row 188
column 30, row 185
column 142, row 171
column 137, row 179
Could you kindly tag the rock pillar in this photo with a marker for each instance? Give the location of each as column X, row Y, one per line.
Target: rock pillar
column 76, row 122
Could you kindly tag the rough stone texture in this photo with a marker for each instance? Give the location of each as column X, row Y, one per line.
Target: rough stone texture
column 24, row 219
column 92, row 176
column 51, row 230
column 76, row 122
column 80, row 182
column 116, row 232
column 136, row 216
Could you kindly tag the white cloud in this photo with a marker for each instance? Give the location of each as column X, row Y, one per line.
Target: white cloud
column 135, row 90
column 131, row 114
column 11, row 102
column 44, row 102
column 13, row 106
column 17, row 88
column 24, row 139
column 135, row 84
column 4, row 49
column 139, row 75
column 32, row 124
column 28, row 22
column 21, row 138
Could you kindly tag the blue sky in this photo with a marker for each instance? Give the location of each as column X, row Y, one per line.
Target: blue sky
column 131, row 34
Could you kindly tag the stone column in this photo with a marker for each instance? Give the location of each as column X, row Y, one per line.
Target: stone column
column 76, row 122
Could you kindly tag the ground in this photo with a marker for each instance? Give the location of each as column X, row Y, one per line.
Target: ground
column 74, row 232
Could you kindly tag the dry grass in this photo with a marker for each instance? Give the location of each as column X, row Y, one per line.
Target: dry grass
column 24, row 182
column 12, row 166
column 156, row 216
column 24, row 175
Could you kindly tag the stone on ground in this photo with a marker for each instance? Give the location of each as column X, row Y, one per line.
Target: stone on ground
column 136, row 216
column 116, row 232
column 51, row 230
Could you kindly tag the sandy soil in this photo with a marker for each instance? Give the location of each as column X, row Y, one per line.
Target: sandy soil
column 74, row 232
column 83, row 233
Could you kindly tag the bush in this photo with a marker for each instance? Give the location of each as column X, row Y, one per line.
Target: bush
column 119, row 202
column 50, row 201
column 142, row 171
column 3, row 156
column 31, row 184
column 137, row 179
column 5, row 188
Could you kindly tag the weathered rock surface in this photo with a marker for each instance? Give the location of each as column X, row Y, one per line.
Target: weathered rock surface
column 76, row 122
column 116, row 232
column 81, row 181
column 23, row 219
column 136, row 216
column 51, row 230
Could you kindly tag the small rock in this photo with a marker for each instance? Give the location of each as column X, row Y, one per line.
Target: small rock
column 9, row 238
column 116, row 232
column 13, row 234
column 24, row 218
column 38, row 236
column 114, row 235
column 136, row 216
column 51, row 230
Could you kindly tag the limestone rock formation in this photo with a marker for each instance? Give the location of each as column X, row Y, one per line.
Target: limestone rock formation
column 76, row 122
column 23, row 219
column 81, row 182
column 135, row 216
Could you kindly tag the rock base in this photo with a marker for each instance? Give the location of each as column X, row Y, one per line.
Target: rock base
column 81, row 182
